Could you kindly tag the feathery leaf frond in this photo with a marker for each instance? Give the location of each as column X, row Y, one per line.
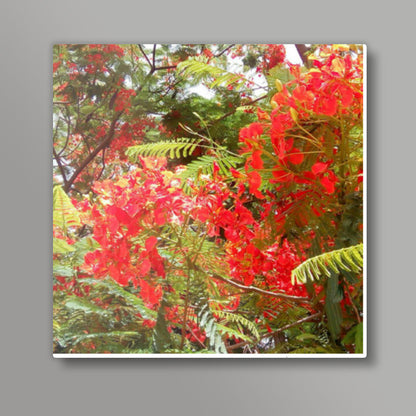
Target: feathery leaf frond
column 198, row 69
column 64, row 213
column 182, row 147
column 349, row 259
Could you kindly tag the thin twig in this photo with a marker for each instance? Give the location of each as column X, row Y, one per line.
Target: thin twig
column 297, row 299
column 225, row 50
column 146, row 57
column 61, row 168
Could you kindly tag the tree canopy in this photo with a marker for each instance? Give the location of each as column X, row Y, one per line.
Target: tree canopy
column 208, row 199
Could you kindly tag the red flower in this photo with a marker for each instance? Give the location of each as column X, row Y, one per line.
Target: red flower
column 319, row 167
column 254, row 181
column 328, row 185
column 151, row 295
column 256, row 160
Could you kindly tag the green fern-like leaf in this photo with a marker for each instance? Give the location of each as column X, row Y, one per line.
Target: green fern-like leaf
column 181, row 147
column 212, row 330
column 205, row 165
column 239, row 321
column 198, row 69
column 60, row 246
column 348, row 259
column 83, row 304
column 64, row 213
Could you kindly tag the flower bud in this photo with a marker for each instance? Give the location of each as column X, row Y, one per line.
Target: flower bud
column 279, row 85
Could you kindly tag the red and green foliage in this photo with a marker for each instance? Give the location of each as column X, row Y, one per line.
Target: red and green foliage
column 185, row 224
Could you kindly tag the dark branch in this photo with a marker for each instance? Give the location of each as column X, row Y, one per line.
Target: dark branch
column 302, row 51
column 225, row 50
column 146, row 57
column 154, row 57
column 61, row 168
column 106, row 142
column 165, row 67
column 103, row 168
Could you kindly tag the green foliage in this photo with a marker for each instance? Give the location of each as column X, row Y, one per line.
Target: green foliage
column 64, row 213
column 113, row 325
column 136, row 97
column 198, row 69
column 334, row 314
column 181, row 147
column 111, row 288
column 240, row 322
column 355, row 336
column 204, row 165
column 208, row 323
column 162, row 340
column 348, row 259
column 61, row 246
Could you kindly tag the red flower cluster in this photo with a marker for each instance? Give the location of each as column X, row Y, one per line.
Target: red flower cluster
column 123, row 100
column 133, row 210
column 273, row 56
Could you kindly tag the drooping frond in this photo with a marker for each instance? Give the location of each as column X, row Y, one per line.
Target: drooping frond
column 198, row 70
column 64, row 213
column 212, row 330
column 348, row 259
column 181, row 147
column 240, row 321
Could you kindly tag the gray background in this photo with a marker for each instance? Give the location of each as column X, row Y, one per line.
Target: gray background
column 32, row 381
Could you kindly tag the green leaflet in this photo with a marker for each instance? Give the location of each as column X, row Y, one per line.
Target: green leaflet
column 61, row 246
column 198, row 69
column 174, row 149
column 348, row 261
column 343, row 260
column 64, row 213
column 226, row 330
column 61, row 270
column 240, row 321
column 78, row 303
column 212, row 329
column 205, row 165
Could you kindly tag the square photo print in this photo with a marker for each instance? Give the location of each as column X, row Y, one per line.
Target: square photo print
column 209, row 200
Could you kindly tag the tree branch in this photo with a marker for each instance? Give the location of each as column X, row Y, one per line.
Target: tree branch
column 146, row 57
column 106, row 142
column 154, row 57
column 225, row 50
column 61, row 168
column 165, row 67
column 302, row 51
column 297, row 299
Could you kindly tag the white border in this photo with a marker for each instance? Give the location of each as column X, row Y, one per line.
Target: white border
column 261, row 356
